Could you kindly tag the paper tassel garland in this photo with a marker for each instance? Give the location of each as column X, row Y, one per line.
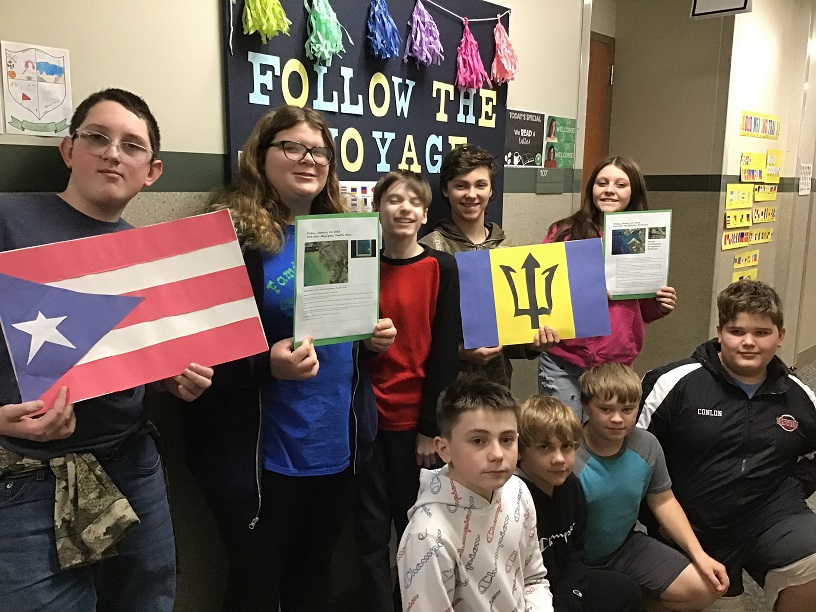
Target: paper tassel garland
column 266, row 17
column 423, row 44
column 383, row 38
column 325, row 32
column 505, row 63
column 470, row 69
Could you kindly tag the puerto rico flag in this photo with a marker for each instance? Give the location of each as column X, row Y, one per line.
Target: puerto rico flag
column 506, row 295
column 111, row 312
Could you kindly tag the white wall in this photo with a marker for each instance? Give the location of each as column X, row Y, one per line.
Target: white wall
column 604, row 16
column 167, row 51
column 768, row 74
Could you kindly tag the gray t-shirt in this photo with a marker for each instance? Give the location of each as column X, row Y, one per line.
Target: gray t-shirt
column 103, row 422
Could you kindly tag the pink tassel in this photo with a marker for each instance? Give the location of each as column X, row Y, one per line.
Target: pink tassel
column 505, row 64
column 470, row 73
column 422, row 42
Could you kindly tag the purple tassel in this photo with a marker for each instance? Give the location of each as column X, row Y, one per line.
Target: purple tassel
column 423, row 43
column 383, row 38
column 470, row 73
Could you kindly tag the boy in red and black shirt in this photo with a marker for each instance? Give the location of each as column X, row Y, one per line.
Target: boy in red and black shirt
column 419, row 291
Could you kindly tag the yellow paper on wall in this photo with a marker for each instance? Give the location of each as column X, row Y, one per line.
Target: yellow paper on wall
column 765, row 193
column 735, row 239
column 744, row 274
column 760, row 235
column 738, row 218
column 764, row 214
column 746, row 259
column 773, row 165
column 752, row 167
column 759, row 125
column 738, row 196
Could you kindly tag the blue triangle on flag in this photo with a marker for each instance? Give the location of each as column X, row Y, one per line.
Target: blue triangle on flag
column 79, row 321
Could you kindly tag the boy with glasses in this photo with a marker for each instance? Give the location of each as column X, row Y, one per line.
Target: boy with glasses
column 84, row 518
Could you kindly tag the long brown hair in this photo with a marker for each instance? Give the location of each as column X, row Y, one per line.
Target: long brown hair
column 259, row 215
column 587, row 222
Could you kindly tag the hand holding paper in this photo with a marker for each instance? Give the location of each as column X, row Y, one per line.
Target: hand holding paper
column 289, row 363
column 666, row 300
column 384, row 334
column 191, row 383
column 545, row 339
column 481, row 355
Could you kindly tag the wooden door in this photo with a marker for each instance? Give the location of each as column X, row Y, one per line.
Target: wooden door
column 599, row 101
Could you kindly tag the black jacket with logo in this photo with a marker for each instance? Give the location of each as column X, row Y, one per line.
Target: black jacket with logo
column 737, row 463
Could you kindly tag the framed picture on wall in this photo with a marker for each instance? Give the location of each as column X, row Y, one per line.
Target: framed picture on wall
column 718, row 8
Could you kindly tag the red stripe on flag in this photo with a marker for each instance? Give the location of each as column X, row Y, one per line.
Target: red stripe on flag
column 189, row 295
column 73, row 258
column 210, row 347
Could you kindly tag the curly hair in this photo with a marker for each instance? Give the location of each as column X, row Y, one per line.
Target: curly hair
column 587, row 222
column 259, row 215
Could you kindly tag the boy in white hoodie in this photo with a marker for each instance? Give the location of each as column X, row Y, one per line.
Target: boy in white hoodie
column 471, row 539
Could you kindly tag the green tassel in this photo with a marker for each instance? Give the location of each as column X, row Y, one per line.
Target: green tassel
column 266, row 17
column 325, row 32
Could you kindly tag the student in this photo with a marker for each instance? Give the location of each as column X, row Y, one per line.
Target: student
column 120, row 562
column 466, row 178
column 616, row 184
column 549, row 434
column 618, row 467
column 738, row 430
column 275, row 443
column 419, row 292
column 471, row 539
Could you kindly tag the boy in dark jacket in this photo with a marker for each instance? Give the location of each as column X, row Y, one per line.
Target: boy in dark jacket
column 549, row 434
column 739, row 431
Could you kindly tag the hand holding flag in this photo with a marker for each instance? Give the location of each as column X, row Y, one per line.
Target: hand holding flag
column 24, row 421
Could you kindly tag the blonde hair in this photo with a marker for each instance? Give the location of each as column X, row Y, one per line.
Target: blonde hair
column 543, row 417
column 259, row 215
column 611, row 380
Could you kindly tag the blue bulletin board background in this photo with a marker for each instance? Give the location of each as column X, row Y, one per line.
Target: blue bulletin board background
column 418, row 134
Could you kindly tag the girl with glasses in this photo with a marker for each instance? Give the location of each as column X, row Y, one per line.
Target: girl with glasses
column 275, row 444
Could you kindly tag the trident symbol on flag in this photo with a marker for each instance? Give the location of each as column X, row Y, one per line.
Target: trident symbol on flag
column 534, row 311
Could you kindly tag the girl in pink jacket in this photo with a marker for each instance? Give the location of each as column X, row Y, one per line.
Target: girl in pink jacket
column 616, row 184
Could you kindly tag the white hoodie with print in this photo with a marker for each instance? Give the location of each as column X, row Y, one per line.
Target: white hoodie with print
column 462, row 552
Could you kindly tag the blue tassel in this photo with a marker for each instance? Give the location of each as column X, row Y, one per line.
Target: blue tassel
column 383, row 37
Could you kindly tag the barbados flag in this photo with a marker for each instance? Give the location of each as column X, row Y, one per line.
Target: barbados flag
column 508, row 294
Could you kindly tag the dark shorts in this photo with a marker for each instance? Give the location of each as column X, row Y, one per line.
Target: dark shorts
column 791, row 539
column 650, row 563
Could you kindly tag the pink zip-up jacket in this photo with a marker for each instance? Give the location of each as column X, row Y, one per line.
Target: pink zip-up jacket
column 628, row 320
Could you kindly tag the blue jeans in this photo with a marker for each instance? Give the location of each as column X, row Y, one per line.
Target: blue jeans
column 559, row 379
column 141, row 577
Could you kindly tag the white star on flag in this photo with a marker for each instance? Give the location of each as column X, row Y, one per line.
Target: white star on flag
column 42, row 330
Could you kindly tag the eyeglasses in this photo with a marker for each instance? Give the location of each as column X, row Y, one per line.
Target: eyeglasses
column 297, row 152
column 130, row 153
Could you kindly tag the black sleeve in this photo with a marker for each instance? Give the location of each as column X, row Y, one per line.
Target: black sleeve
column 575, row 564
column 442, row 365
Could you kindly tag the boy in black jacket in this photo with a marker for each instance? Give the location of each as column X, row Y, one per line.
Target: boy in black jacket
column 549, row 434
column 739, row 432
